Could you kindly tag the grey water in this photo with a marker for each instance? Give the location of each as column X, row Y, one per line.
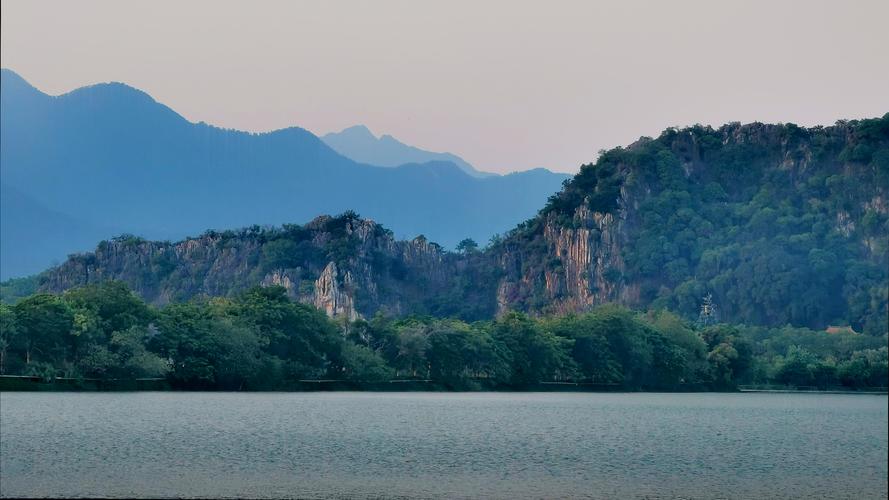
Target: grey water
column 443, row 445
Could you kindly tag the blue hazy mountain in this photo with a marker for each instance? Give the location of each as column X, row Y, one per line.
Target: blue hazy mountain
column 34, row 233
column 361, row 145
column 109, row 155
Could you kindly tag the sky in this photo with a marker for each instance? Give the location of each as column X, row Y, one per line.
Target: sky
column 506, row 85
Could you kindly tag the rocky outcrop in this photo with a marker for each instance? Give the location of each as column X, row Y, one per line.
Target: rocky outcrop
column 346, row 266
column 334, row 298
column 581, row 268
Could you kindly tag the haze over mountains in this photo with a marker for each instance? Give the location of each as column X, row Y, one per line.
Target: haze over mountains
column 114, row 160
column 42, row 230
column 360, row 144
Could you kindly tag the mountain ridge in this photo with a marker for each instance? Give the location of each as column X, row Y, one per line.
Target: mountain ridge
column 112, row 156
column 360, row 144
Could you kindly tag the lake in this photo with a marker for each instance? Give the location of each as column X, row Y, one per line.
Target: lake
column 443, row 445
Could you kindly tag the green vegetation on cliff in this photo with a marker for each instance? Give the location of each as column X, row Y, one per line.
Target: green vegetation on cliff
column 782, row 224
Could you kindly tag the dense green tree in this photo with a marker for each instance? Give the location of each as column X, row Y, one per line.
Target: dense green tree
column 533, row 354
column 44, row 323
column 462, row 357
column 132, row 358
column 263, row 340
column 9, row 332
column 799, row 368
column 297, row 334
column 467, row 245
column 187, row 337
column 412, row 344
column 100, row 312
column 362, row 364
column 591, row 350
column 868, row 368
column 730, row 355
column 115, row 307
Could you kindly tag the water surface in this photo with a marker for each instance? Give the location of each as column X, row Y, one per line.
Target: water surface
column 443, row 445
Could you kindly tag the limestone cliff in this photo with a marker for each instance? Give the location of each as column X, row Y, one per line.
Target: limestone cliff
column 345, row 265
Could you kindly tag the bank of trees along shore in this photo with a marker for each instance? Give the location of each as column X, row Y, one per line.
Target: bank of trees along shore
column 262, row 340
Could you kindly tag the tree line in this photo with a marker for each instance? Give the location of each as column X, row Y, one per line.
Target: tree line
column 262, row 340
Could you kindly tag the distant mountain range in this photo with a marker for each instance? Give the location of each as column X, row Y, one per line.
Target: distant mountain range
column 31, row 242
column 360, row 144
column 108, row 157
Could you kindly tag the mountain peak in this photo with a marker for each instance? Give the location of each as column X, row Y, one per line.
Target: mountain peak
column 360, row 144
column 11, row 76
column 115, row 90
column 355, row 132
column 10, row 81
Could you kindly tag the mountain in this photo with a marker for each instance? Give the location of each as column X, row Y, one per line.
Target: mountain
column 110, row 156
column 361, row 145
column 781, row 225
column 344, row 265
column 37, row 232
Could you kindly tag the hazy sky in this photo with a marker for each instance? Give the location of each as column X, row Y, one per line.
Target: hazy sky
column 506, row 85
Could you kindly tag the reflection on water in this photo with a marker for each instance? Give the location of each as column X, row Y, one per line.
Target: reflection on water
column 516, row 445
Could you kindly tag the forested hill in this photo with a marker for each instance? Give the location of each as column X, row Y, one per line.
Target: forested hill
column 781, row 224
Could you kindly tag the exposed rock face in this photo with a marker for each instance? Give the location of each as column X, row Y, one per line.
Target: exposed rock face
column 582, row 263
column 345, row 266
column 201, row 266
column 289, row 280
column 590, row 255
column 330, row 298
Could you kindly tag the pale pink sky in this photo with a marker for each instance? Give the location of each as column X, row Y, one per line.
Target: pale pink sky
column 506, row 85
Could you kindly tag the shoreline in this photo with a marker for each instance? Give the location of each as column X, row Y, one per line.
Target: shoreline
column 801, row 391
column 20, row 383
